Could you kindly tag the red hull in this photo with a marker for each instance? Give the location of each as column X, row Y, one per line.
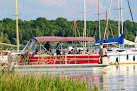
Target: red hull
column 71, row 59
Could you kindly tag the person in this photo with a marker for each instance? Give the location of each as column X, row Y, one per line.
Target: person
column 101, row 45
column 87, row 52
column 71, row 52
column 47, row 46
column 100, row 49
column 79, row 52
column 103, row 53
column 37, row 51
column 58, row 47
column 93, row 52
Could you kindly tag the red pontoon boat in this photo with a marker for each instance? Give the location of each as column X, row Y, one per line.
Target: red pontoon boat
column 52, row 59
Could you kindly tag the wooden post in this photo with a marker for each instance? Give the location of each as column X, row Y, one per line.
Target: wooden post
column 111, row 29
column 17, row 28
column 99, row 18
column 83, row 36
column 75, row 30
column 106, row 28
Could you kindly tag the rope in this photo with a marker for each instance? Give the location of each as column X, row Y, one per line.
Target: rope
column 132, row 17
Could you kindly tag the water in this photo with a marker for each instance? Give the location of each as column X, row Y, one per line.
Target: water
column 116, row 78
column 120, row 77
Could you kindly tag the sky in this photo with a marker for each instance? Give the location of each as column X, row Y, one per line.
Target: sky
column 69, row 9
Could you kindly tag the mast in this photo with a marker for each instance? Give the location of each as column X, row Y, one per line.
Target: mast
column 106, row 28
column 85, row 21
column 99, row 18
column 75, row 31
column 121, row 17
column 118, row 20
column 17, row 35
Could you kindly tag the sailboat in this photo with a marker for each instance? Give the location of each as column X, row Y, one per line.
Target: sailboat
column 4, row 54
column 121, row 55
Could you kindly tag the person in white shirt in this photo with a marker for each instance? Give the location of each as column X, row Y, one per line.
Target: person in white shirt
column 101, row 47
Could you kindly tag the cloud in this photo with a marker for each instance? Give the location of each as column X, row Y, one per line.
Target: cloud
column 53, row 3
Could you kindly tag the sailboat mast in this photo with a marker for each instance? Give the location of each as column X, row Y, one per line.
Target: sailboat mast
column 99, row 18
column 17, row 35
column 85, row 21
column 121, row 17
column 118, row 20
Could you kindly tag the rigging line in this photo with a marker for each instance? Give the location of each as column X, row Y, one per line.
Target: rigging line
column 107, row 18
column 133, row 9
column 132, row 17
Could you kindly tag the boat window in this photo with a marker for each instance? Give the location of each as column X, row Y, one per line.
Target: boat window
column 31, row 46
column 120, row 50
column 109, row 50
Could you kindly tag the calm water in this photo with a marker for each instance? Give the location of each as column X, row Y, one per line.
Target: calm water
column 117, row 78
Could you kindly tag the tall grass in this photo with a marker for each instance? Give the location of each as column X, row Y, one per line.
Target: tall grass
column 44, row 83
column 10, row 81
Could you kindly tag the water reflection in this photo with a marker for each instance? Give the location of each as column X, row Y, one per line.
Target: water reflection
column 117, row 78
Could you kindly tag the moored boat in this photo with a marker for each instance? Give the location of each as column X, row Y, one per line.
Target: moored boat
column 30, row 57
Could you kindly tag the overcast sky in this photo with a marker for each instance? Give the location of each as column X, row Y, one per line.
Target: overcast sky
column 69, row 9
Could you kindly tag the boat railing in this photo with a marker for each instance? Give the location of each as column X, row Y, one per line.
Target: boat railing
column 64, row 59
column 52, row 58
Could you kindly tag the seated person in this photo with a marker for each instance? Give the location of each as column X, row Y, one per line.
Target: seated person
column 79, row 52
column 93, row 52
column 37, row 51
column 58, row 48
column 71, row 52
column 87, row 52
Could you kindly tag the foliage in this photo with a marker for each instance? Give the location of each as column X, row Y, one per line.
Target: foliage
column 58, row 27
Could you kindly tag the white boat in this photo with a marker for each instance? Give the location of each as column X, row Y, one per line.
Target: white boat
column 121, row 55
column 4, row 56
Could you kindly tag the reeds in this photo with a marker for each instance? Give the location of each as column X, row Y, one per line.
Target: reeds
column 10, row 80
column 43, row 83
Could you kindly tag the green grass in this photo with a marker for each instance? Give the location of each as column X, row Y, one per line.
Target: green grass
column 44, row 83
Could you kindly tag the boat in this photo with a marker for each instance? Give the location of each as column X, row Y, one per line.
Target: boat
column 120, row 54
column 29, row 58
column 4, row 56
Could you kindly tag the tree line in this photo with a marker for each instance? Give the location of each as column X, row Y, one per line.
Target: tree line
column 59, row 27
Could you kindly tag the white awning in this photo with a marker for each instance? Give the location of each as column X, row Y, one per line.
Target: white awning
column 127, row 42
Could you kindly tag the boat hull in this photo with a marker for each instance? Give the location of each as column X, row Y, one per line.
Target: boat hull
column 123, row 58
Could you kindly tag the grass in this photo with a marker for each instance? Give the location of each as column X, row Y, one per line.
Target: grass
column 44, row 83
column 9, row 81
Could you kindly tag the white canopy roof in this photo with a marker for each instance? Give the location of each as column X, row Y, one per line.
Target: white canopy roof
column 127, row 42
